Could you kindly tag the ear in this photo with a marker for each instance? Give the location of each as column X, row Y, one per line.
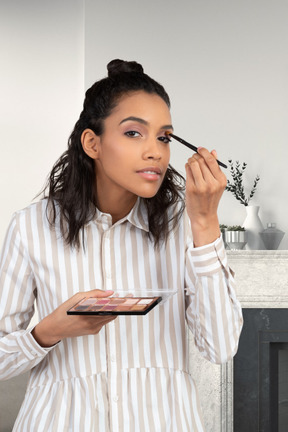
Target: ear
column 90, row 143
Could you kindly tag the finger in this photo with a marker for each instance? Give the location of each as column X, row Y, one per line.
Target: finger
column 214, row 153
column 102, row 319
column 200, row 171
column 98, row 293
column 84, row 294
column 206, row 162
column 194, row 174
column 210, row 161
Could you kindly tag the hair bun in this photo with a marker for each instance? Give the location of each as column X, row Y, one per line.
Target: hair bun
column 116, row 67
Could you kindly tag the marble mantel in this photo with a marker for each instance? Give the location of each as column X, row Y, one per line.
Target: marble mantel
column 262, row 281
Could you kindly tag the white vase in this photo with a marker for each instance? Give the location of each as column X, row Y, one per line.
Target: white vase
column 253, row 226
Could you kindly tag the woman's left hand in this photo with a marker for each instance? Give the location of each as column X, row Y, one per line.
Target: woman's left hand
column 205, row 184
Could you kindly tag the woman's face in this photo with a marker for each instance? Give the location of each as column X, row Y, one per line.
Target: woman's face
column 133, row 152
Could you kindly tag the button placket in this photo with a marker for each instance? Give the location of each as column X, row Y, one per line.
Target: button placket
column 112, row 371
column 107, row 268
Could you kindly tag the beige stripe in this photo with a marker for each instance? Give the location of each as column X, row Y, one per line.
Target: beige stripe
column 224, row 318
column 173, row 251
column 13, row 264
column 207, row 263
column 150, row 394
column 63, row 410
column 160, row 397
column 197, row 253
column 43, row 258
column 92, row 263
column 30, row 403
column 213, row 316
column 138, row 383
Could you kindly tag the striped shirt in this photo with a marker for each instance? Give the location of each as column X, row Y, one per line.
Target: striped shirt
column 133, row 375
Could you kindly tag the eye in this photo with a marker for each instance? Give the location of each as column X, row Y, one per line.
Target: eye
column 164, row 139
column 132, row 134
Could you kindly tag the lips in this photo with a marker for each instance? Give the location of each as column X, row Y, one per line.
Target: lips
column 150, row 173
column 151, row 170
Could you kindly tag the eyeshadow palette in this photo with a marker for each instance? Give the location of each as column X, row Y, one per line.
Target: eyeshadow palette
column 114, row 306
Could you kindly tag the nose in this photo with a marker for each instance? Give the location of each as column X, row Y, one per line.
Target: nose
column 152, row 150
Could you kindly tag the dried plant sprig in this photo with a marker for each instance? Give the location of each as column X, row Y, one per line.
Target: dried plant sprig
column 236, row 186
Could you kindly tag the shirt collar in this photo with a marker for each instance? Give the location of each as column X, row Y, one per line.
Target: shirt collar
column 138, row 216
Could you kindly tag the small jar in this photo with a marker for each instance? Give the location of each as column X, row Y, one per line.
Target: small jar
column 272, row 236
column 235, row 239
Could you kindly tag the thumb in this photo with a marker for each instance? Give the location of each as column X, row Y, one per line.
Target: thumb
column 99, row 293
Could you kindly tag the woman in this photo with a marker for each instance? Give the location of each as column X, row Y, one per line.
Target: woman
column 114, row 220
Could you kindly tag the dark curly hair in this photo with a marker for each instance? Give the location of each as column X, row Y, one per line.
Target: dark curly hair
column 72, row 179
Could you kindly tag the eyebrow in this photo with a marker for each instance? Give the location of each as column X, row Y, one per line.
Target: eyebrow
column 142, row 121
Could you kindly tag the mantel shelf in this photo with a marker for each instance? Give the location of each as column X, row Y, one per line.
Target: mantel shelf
column 257, row 254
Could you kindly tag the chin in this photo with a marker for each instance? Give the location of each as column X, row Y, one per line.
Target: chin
column 148, row 194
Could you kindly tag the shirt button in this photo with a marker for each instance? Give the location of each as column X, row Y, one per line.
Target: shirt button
column 115, row 398
column 113, row 358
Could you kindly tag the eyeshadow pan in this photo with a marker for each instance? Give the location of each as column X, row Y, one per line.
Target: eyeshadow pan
column 117, row 300
column 109, row 307
column 131, row 301
column 145, row 301
column 81, row 308
column 114, row 306
column 89, row 301
column 95, row 308
column 124, row 308
column 138, row 307
column 102, row 301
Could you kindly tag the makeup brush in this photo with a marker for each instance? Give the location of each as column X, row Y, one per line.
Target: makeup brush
column 191, row 146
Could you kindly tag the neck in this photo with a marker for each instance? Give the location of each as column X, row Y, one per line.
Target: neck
column 118, row 206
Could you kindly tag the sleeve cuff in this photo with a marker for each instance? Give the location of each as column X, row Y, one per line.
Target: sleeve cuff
column 30, row 348
column 209, row 258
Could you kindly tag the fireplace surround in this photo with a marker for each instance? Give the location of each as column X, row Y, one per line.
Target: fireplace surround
column 262, row 283
column 260, row 385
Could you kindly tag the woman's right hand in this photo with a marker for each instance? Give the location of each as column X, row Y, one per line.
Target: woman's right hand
column 58, row 325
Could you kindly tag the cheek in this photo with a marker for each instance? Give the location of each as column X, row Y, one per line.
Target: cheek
column 111, row 153
column 114, row 160
column 167, row 155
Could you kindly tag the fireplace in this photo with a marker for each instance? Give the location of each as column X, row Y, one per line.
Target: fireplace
column 260, row 379
column 262, row 288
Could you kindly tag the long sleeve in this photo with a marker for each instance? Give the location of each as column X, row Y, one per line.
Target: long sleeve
column 213, row 312
column 19, row 351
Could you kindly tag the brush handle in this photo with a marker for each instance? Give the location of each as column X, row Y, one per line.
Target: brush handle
column 182, row 141
column 192, row 147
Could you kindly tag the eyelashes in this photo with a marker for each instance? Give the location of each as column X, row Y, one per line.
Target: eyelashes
column 132, row 134
column 165, row 139
column 135, row 134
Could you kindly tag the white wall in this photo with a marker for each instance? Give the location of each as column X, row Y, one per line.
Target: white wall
column 41, row 88
column 41, row 95
column 225, row 64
